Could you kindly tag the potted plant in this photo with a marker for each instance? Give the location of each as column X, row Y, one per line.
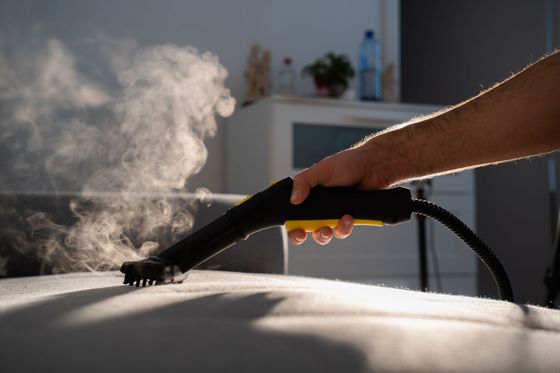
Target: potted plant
column 331, row 74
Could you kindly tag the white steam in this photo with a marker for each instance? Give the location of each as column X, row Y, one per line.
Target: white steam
column 124, row 152
column 46, row 83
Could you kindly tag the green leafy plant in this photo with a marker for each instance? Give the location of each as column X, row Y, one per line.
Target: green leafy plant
column 331, row 74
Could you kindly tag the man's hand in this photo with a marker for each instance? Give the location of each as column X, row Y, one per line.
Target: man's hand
column 324, row 235
column 351, row 167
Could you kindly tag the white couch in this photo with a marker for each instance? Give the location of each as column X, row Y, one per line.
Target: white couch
column 239, row 322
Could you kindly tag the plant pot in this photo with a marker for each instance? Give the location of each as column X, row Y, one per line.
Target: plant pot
column 326, row 88
column 337, row 89
column 322, row 85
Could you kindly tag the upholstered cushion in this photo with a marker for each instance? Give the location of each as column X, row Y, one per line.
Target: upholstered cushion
column 239, row 322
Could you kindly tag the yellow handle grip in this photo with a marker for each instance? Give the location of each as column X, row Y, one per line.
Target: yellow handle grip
column 313, row 225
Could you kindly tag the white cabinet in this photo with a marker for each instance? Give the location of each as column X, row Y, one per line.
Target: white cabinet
column 276, row 137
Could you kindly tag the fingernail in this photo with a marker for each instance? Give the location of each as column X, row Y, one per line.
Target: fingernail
column 294, row 196
column 323, row 234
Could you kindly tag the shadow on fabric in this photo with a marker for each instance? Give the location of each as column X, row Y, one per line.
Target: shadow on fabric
column 92, row 331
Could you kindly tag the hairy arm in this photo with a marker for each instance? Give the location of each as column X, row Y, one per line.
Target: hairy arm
column 517, row 118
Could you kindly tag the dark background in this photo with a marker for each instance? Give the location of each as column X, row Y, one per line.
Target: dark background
column 453, row 49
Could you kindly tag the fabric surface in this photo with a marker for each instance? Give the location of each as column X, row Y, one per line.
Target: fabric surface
column 239, row 322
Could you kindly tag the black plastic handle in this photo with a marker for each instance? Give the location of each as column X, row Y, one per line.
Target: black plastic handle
column 272, row 206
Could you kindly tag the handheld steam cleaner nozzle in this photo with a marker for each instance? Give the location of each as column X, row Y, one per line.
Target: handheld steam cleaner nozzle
column 270, row 207
column 323, row 207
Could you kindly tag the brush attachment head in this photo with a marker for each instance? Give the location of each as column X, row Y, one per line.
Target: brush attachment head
column 152, row 271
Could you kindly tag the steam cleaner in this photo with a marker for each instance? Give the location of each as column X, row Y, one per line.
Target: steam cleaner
column 323, row 207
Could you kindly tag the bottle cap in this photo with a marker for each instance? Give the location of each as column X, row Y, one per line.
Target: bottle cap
column 369, row 34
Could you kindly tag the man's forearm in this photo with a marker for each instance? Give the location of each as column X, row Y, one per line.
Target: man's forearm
column 518, row 118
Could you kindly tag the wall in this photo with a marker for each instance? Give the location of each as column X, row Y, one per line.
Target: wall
column 450, row 51
column 303, row 30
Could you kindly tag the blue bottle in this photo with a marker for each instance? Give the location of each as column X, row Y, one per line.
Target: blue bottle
column 370, row 68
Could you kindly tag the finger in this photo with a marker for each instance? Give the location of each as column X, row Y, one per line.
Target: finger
column 323, row 235
column 307, row 179
column 297, row 236
column 301, row 187
column 344, row 227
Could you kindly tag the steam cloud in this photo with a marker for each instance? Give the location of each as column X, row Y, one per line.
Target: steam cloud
column 61, row 131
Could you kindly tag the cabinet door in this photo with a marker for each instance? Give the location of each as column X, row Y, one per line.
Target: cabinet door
column 456, row 261
column 369, row 254
column 461, row 183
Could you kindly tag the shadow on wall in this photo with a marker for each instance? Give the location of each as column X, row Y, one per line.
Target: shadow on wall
column 209, row 333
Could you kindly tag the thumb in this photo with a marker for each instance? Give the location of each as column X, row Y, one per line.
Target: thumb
column 304, row 181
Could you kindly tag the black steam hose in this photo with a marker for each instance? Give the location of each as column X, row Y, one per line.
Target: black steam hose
column 483, row 252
